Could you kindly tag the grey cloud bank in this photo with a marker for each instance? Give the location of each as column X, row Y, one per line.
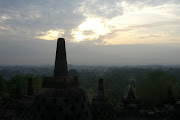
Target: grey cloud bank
column 27, row 18
column 42, row 52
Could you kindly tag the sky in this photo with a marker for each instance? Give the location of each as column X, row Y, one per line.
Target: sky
column 97, row 32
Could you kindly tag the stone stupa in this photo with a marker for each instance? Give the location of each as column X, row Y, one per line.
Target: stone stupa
column 101, row 108
column 60, row 97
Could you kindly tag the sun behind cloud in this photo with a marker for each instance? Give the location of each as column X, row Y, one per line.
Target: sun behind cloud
column 50, row 34
column 90, row 29
column 139, row 24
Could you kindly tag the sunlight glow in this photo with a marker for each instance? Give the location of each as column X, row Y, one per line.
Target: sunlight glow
column 90, row 29
column 51, row 34
column 3, row 17
column 138, row 24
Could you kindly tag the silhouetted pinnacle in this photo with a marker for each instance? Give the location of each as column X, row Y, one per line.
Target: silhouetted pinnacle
column 18, row 89
column 101, row 88
column 170, row 94
column 30, row 90
column 131, row 94
column 60, row 68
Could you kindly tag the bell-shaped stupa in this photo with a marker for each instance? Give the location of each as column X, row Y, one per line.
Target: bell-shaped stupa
column 60, row 97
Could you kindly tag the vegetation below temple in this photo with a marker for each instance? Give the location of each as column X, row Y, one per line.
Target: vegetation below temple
column 150, row 83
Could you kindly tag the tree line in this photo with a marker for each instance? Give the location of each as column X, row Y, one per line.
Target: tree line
column 150, row 85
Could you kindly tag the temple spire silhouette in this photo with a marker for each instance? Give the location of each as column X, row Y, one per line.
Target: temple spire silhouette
column 60, row 97
column 18, row 89
column 60, row 68
column 30, row 90
column 100, row 89
column 131, row 94
column 170, row 98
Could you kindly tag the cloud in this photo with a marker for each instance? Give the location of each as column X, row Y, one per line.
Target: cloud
column 95, row 25
column 107, row 9
column 90, row 20
column 51, row 34
column 136, row 17
column 27, row 18
column 42, row 52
